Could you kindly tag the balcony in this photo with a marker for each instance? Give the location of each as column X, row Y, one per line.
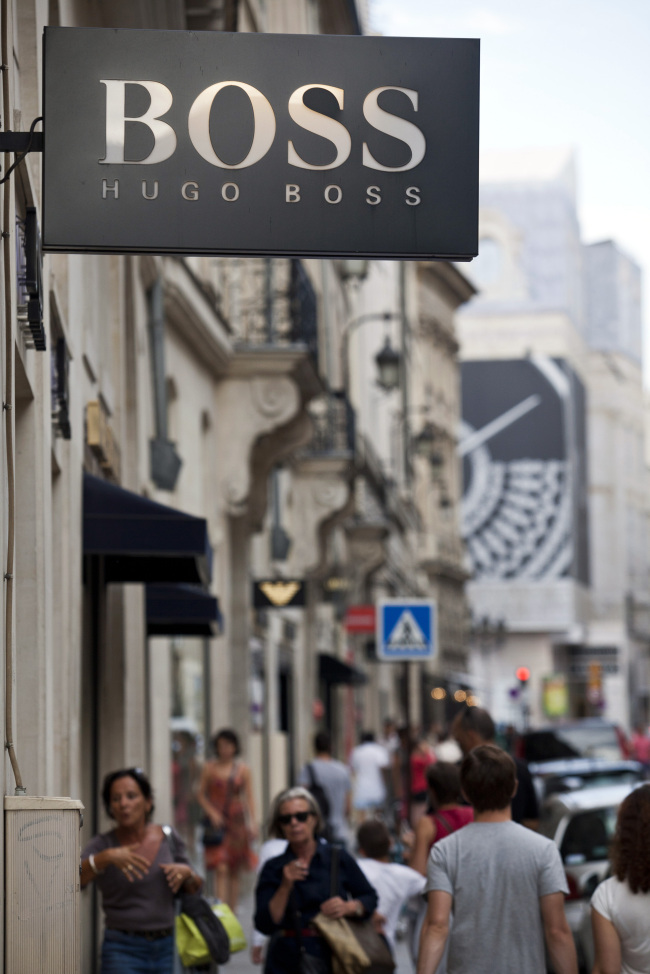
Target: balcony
column 277, row 324
column 279, row 307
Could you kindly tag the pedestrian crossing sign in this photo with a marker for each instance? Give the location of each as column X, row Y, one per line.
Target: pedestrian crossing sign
column 407, row 629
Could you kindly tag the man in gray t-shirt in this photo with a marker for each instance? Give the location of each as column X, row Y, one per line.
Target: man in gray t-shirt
column 505, row 883
column 334, row 779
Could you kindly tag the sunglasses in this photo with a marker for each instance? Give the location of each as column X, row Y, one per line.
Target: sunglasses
column 299, row 817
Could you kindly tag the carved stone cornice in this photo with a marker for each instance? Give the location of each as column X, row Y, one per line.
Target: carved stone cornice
column 442, row 336
column 318, row 499
column 293, row 361
column 367, row 548
column 189, row 311
column 269, row 450
column 255, row 408
column 448, row 280
column 441, row 568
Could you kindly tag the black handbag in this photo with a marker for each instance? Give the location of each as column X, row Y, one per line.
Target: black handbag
column 210, row 926
column 199, row 910
column 213, row 835
column 308, row 963
column 312, row 965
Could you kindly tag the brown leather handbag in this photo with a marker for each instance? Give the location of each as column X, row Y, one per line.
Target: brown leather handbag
column 356, row 946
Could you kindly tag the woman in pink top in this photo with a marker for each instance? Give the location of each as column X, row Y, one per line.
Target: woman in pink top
column 447, row 814
column 422, row 757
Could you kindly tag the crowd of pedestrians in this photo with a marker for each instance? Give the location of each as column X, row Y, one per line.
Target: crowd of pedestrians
column 433, row 839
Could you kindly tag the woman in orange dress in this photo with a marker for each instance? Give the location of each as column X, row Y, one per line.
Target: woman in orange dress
column 226, row 796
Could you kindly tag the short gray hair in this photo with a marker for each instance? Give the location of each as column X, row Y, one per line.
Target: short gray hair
column 275, row 829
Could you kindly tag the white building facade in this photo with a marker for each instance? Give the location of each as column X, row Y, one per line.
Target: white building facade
column 552, row 393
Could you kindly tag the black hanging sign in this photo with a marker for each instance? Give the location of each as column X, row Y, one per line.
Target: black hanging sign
column 303, row 145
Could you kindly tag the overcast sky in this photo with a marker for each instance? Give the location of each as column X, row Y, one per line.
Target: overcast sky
column 561, row 73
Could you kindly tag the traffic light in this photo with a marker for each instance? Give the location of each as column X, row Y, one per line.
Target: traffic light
column 523, row 675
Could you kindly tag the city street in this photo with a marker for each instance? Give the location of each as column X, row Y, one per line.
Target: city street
column 325, row 464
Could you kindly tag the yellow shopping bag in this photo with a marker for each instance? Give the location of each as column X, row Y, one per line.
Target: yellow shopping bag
column 233, row 927
column 190, row 942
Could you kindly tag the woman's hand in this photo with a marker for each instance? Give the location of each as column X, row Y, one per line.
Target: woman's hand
column 378, row 921
column 295, row 871
column 215, row 816
column 176, row 873
column 127, row 860
column 337, row 907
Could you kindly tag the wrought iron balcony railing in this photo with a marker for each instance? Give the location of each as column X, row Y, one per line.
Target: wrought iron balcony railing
column 279, row 306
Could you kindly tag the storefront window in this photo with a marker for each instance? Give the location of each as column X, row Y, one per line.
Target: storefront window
column 188, row 733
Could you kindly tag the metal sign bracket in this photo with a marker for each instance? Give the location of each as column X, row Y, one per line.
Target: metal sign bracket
column 22, row 143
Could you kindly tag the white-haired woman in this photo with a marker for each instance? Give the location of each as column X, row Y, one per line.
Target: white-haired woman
column 296, row 885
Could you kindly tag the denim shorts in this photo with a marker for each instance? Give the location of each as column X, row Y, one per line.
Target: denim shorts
column 123, row 953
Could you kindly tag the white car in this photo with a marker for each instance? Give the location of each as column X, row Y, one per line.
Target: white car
column 582, row 824
column 573, row 774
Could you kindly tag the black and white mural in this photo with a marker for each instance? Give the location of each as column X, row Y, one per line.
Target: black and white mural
column 522, row 443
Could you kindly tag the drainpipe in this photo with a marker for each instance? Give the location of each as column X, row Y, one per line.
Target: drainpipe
column 8, row 406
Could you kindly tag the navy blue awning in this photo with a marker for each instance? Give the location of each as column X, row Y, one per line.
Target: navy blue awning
column 182, row 610
column 141, row 540
column 331, row 669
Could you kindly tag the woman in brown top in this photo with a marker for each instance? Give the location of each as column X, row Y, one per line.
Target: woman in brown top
column 138, row 877
column 225, row 794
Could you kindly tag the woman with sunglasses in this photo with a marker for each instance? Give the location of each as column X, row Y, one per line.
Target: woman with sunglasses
column 296, row 885
column 138, row 876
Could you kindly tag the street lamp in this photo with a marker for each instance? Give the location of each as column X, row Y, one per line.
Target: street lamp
column 388, row 359
column 423, row 443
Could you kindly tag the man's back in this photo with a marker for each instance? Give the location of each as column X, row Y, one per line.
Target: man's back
column 496, row 873
column 367, row 762
column 334, row 778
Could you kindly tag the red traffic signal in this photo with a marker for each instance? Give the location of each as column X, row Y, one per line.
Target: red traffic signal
column 523, row 674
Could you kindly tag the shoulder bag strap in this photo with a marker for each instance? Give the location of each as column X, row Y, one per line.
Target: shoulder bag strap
column 335, row 869
column 168, row 832
column 445, row 821
column 229, row 789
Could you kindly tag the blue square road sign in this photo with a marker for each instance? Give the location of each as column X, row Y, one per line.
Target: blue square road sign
column 407, row 629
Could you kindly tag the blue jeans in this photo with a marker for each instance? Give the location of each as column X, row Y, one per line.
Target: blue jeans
column 123, row 953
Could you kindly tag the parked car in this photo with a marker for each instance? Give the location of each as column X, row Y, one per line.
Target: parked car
column 572, row 774
column 588, row 738
column 582, row 824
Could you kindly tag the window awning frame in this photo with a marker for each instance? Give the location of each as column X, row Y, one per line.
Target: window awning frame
column 141, row 540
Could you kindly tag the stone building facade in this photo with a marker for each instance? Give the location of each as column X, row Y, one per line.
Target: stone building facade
column 224, row 408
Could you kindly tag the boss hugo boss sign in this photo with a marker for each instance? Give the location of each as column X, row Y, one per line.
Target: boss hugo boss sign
column 174, row 141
